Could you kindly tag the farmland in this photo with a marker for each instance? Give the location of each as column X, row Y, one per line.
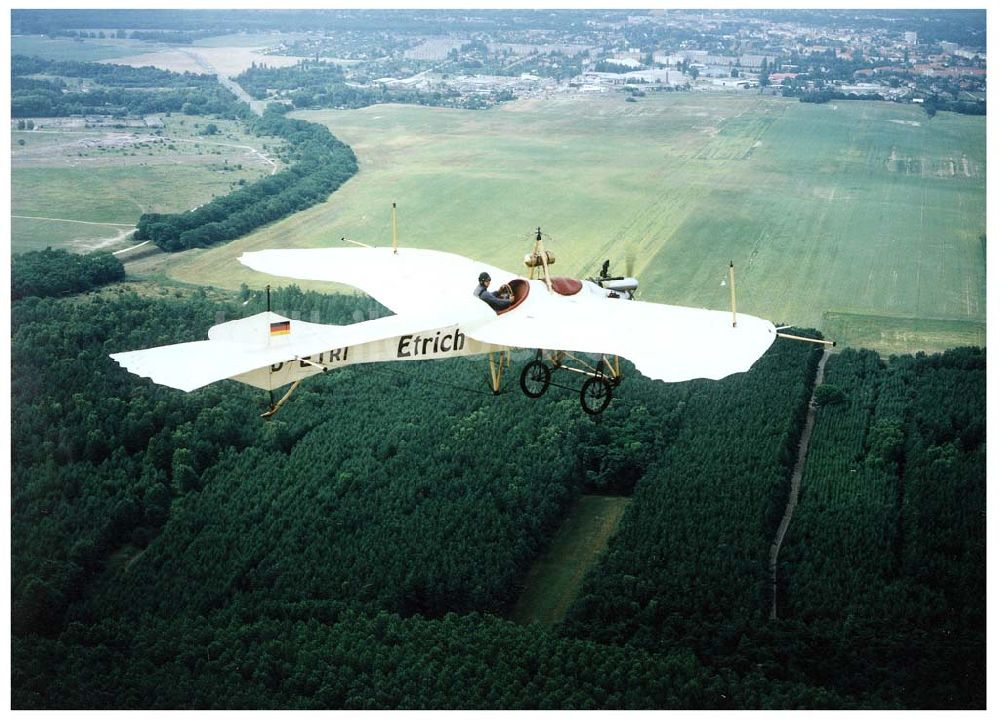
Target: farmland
column 862, row 210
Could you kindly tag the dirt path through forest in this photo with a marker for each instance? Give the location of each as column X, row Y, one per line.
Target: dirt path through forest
column 793, row 495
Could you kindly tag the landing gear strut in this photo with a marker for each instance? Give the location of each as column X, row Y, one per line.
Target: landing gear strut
column 597, row 390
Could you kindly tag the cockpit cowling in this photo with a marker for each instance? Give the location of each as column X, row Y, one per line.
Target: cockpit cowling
column 519, row 288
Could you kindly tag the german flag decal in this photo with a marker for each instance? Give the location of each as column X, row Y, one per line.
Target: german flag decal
column 281, row 328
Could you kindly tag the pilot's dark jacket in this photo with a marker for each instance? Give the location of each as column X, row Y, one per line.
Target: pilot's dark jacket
column 491, row 299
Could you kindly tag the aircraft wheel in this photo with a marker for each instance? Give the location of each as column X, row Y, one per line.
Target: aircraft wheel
column 595, row 395
column 535, row 378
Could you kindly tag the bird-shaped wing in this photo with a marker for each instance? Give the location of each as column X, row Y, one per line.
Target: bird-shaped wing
column 405, row 281
column 665, row 342
column 431, row 293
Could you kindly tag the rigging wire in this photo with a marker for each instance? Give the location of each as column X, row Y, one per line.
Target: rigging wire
column 378, row 367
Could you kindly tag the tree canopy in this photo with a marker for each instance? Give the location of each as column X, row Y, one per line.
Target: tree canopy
column 50, row 273
column 59, row 88
column 363, row 548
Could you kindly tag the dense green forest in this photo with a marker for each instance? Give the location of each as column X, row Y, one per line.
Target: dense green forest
column 363, row 548
column 307, row 84
column 882, row 582
column 890, row 548
column 50, row 88
column 320, row 163
column 50, row 273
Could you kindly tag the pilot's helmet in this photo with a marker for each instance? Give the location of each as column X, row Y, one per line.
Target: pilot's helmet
column 484, row 277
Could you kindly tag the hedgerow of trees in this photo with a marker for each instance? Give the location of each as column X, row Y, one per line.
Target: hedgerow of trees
column 931, row 104
column 320, row 163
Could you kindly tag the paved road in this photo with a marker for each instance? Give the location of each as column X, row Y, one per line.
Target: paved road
column 256, row 105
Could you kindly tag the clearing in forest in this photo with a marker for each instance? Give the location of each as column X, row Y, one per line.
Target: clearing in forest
column 556, row 577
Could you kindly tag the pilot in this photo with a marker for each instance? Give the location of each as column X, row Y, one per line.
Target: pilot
column 482, row 292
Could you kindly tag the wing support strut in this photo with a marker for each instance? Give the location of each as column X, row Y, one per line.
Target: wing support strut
column 597, row 390
column 318, row 366
column 831, row 343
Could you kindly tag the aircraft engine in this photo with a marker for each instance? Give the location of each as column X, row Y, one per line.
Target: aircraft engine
column 624, row 285
column 617, row 286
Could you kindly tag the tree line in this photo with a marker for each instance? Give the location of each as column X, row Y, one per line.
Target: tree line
column 320, row 164
column 931, row 104
column 111, row 90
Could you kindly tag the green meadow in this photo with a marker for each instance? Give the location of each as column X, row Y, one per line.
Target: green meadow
column 864, row 210
column 858, row 208
column 65, row 48
column 66, row 234
column 72, row 186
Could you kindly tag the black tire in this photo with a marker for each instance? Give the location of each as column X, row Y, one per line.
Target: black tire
column 595, row 395
column 535, row 379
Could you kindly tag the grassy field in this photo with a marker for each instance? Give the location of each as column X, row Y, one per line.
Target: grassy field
column 553, row 582
column 859, row 208
column 890, row 335
column 64, row 48
column 74, row 187
column 74, row 235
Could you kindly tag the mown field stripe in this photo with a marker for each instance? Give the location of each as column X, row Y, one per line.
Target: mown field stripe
column 555, row 579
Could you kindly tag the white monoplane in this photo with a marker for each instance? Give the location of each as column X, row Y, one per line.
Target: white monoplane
column 438, row 316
